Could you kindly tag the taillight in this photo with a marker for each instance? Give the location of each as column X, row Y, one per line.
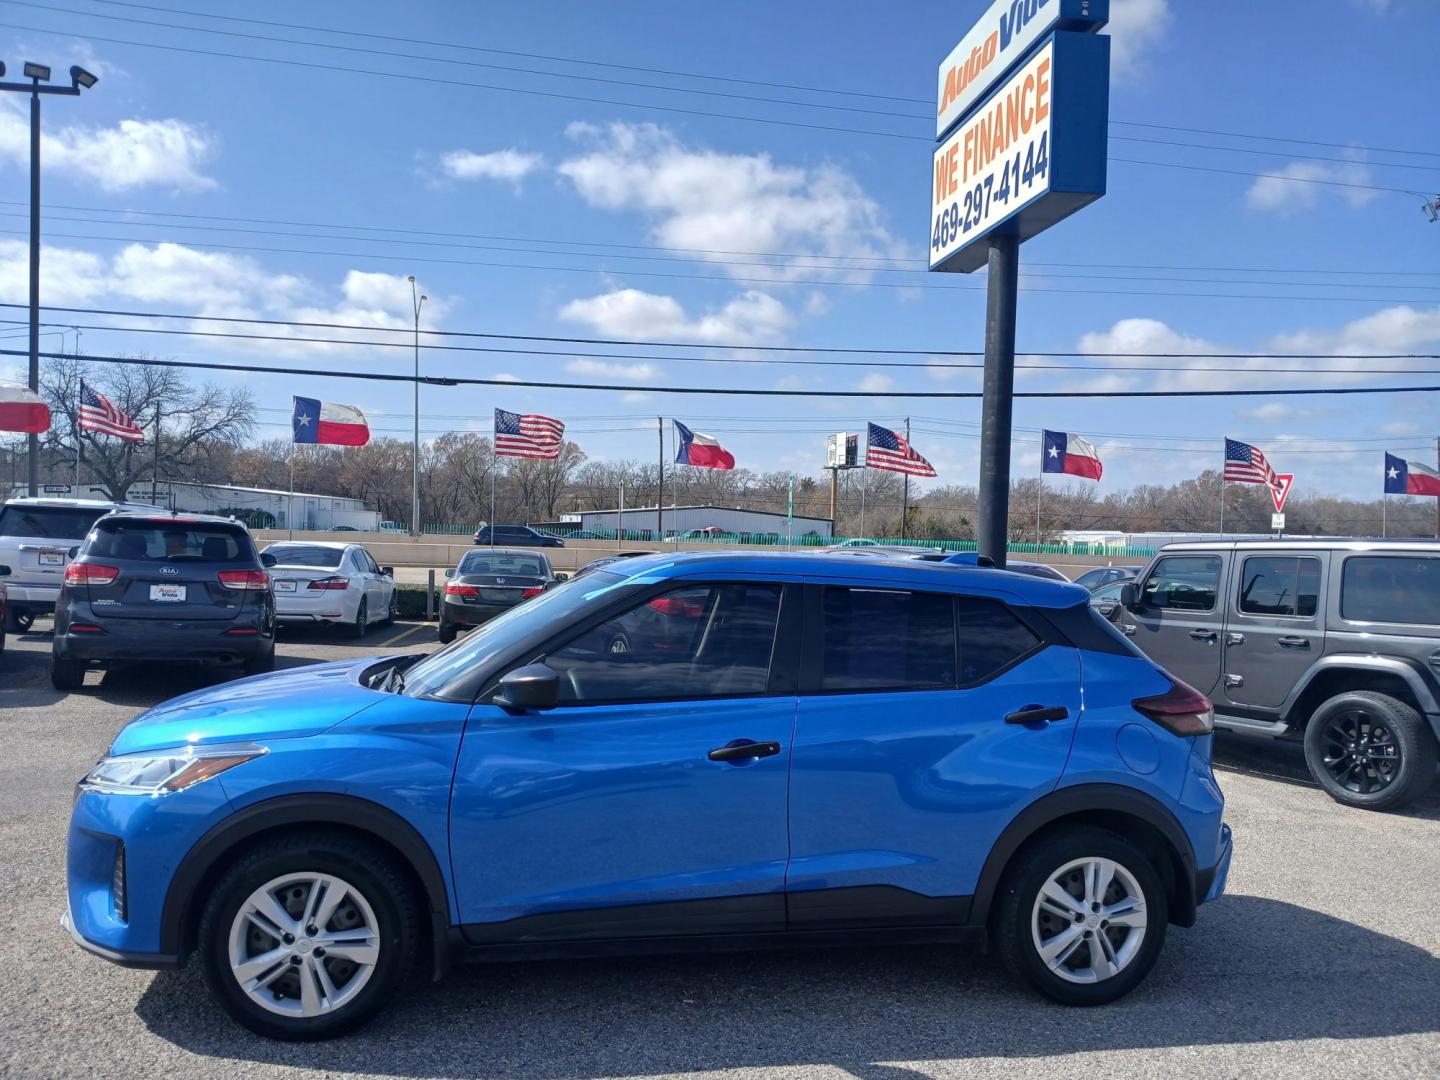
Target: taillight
column 454, row 588
column 327, row 583
column 82, row 573
column 85, row 628
column 245, row 579
column 530, row 591
column 1182, row 710
column 242, row 631
column 670, row 605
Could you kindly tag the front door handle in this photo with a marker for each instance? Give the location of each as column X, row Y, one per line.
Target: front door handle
column 1038, row 714
column 744, row 750
column 1203, row 635
column 1293, row 642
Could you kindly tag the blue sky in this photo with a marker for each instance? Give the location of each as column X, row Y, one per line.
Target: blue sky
column 177, row 133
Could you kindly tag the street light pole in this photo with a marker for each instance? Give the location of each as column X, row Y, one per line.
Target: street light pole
column 417, row 300
column 37, row 74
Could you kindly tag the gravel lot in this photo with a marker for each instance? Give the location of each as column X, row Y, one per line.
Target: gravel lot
column 1322, row 962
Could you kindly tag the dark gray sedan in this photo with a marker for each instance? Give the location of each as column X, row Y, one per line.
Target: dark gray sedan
column 489, row 582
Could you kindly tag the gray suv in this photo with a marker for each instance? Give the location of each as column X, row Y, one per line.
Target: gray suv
column 1335, row 642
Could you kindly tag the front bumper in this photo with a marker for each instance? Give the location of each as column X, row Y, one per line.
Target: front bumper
column 146, row 961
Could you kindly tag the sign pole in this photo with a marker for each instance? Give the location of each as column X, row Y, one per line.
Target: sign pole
column 1000, row 302
column 1384, row 510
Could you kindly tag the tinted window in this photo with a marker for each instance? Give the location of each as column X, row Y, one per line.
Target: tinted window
column 887, row 639
column 1280, row 586
column 305, row 555
column 1184, row 583
column 47, row 522
column 696, row 642
column 990, row 637
column 167, row 541
column 1391, row 588
column 481, row 562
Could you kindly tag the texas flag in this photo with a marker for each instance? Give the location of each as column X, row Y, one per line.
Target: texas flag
column 1409, row 477
column 700, row 450
column 324, row 422
column 1067, row 453
column 22, row 410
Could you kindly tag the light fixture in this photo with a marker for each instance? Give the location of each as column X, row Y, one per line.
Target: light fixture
column 82, row 78
column 37, row 71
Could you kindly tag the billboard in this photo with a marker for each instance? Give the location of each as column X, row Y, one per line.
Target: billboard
column 842, row 451
column 1027, row 156
column 998, row 41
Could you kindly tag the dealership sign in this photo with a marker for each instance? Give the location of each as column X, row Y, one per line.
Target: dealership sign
column 999, row 41
column 1030, row 154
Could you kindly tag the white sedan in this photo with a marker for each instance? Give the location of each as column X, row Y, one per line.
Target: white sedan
column 316, row 582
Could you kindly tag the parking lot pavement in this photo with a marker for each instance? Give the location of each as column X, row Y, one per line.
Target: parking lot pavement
column 1322, row 961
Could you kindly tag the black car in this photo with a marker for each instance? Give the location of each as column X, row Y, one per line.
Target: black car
column 487, row 583
column 163, row 586
column 516, row 536
column 609, row 560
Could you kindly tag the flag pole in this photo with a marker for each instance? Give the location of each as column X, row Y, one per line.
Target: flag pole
column 1039, row 493
column 660, row 482
column 1222, row 490
column 1384, row 510
column 905, row 504
column 674, row 486
column 620, row 518
column 290, row 514
column 494, row 468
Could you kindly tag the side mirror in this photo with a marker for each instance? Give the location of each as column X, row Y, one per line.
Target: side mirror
column 535, row 687
column 1130, row 595
column 4, row 571
column 267, row 560
column 559, row 577
column 388, row 571
column 74, row 551
column 448, row 573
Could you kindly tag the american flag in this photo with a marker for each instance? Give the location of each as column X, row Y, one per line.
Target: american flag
column 528, row 435
column 97, row 414
column 1245, row 464
column 888, row 450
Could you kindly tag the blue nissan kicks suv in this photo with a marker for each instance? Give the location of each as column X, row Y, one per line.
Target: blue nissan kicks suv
column 789, row 749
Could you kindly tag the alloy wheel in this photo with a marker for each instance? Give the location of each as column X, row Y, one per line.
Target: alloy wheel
column 1360, row 752
column 304, row 944
column 1089, row 920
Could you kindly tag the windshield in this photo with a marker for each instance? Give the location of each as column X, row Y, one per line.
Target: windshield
column 553, row 608
column 305, row 555
column 481, row 562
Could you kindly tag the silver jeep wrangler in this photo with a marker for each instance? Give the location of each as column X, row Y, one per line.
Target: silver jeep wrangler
column 1336, row 642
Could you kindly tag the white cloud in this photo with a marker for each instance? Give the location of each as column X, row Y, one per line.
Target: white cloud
column 875, row 383
column 67, row 277
column 630, row 313
column 1399, row 427
column 605, row 370
column 1273, row 412
column 509, row 165
column 203, row 281
column 134, row 153
column 1395, row 329
column 715, row 202
column 1136, row 28
column 1293, row 188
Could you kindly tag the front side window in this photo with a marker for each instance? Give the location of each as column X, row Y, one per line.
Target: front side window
column 700, row 641
column 1280, row 585
column 887, row 639
column 1391, row 589
column 1183, row 583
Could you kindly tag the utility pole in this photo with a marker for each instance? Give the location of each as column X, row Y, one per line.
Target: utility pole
column 905, row 502
column 834, row 492
column 1000, row 294
column 660, row 486
column 417, row 301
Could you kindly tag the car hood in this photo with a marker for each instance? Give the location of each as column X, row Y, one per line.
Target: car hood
column 285, row 705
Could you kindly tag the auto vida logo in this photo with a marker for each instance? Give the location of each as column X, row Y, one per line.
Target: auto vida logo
column 171, row 570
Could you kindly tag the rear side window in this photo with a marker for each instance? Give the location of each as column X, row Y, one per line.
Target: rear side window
column 171, row 541
column 1278, row 585
column 47, row 522
column 306, row 555
column 990, row 637
column 1391, row 589
column 1183, row 583
column 887, row 639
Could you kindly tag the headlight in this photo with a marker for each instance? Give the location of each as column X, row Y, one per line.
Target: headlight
column 161, row 774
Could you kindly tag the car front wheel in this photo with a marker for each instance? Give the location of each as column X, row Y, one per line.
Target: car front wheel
column 1370, row 750
column 308, row 936
column 1080, row 916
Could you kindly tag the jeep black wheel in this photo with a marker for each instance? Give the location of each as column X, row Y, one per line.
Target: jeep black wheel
column 1370, row 750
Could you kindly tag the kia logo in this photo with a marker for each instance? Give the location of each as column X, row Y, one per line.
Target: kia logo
column 172, row 570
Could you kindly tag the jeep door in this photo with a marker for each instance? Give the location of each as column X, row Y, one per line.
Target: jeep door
column 1178, row 619
column 1276, row 628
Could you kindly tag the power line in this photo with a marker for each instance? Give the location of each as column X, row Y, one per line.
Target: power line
column 727, row 391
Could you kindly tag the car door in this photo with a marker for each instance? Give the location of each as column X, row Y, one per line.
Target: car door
column 1177, row 619
column 1275, row 629
column 906, row 769
column 637, row 806
column 375, row 595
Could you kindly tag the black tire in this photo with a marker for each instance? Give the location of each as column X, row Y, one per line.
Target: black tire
column 19, row 620
column 66, row 674
column 1370, row 750
column 447, row 633
column 362, row 614
column 1032, row 868
column 369, row 870
column 259, row 665
column 393, row 611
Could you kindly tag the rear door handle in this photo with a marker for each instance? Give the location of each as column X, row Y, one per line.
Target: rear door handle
column 1203, row 635
column 744, row 750
column 1293, row 642
column 1038, row 714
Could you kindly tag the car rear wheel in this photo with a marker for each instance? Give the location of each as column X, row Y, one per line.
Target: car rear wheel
column 447, row 634
column 1080, row 916
column 1370, row 750
column 66, row 674
column 362, row 617
column 308, row 936
column 393, row 611
column 19, row 620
